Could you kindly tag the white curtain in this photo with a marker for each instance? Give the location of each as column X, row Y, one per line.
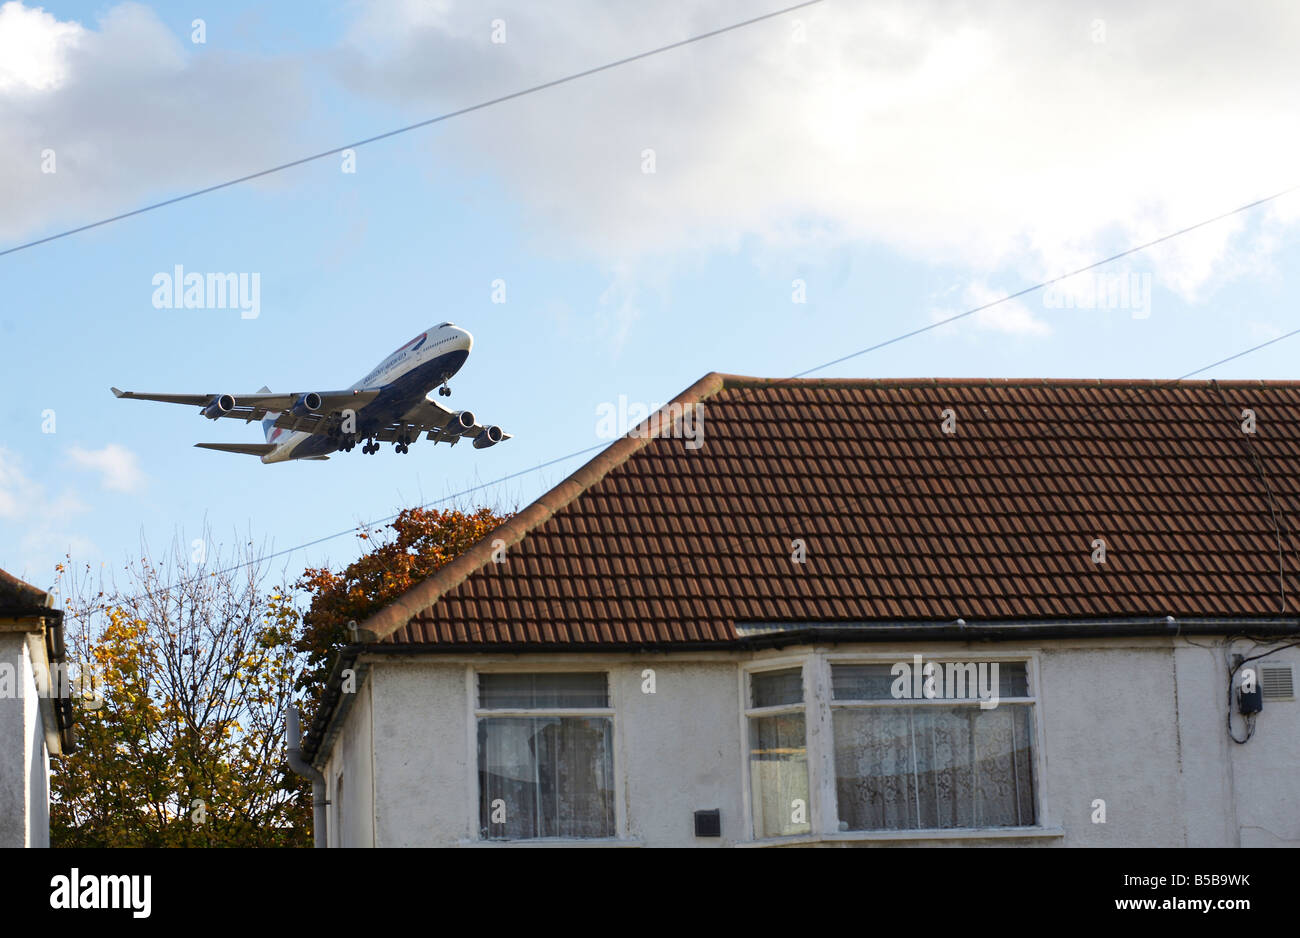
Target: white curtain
column 554, row 776
column 778, row 775
column 908, row 767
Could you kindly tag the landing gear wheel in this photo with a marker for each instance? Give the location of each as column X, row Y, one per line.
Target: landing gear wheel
column 444, row 391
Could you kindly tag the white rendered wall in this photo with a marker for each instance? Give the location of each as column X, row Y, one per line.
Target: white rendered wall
column 1137, row 724
column 24, row 762
column 352, row 756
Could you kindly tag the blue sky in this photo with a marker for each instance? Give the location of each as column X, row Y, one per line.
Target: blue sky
column 904, row 163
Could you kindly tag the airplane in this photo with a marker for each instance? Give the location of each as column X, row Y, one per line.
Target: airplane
column 389, row 405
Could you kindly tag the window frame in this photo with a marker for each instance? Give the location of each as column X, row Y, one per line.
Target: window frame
column 823, row 809
column 747, row 712
column 475, row 712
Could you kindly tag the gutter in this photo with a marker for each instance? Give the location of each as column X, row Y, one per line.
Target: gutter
column 64, row 717
column 761, row 635
column 777, row 634
column 780, row 634
column 49, row 656
column 335, row 705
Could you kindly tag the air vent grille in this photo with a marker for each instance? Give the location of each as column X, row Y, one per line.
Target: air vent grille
column 1277, row 681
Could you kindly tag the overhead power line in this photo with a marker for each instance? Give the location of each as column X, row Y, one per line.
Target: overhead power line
column 871, row 348
column 416, row 126
column 1046, row 283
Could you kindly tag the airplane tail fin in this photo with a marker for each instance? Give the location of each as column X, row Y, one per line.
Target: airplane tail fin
column 268, row 423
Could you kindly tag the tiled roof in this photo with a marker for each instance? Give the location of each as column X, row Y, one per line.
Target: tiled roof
column 19, row 598
column 653, row 542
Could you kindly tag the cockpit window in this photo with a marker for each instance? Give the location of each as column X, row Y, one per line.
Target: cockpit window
column 443, row 325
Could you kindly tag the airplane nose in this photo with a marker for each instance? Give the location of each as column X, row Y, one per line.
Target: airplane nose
column 466, row 338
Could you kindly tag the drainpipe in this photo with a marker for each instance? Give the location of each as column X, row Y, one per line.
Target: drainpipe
column 301, row 766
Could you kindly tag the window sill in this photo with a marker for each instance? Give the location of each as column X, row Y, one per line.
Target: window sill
column 956, row 833
column 556, row 842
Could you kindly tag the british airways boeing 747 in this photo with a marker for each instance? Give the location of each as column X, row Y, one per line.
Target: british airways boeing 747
column 389, row 405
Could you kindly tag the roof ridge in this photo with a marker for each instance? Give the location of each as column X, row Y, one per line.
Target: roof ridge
column 399, row 612
column 731, row 381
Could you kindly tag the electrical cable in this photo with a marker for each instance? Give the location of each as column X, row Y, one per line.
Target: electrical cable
column 410, row 127
column 368, row 525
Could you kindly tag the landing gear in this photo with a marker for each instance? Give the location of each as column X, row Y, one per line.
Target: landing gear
column 444, row 391
column 400, row 445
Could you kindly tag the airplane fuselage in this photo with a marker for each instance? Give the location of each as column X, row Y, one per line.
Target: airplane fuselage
column 406, row 377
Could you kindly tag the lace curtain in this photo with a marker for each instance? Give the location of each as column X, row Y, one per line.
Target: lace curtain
column 545, row 777
column 926, row 767
column 778, row 775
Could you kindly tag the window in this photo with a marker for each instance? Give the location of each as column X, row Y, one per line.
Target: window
column 545, row 756
column 778, row 753
column 915, row 761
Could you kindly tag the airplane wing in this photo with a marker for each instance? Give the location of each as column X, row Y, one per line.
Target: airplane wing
column 441, row 425
column 438, row 423
column 250, row 407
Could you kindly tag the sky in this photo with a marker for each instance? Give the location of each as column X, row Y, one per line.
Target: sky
column 761, row 202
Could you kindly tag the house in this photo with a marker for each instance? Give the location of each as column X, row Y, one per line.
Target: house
column 35, row 721
column 852, row 613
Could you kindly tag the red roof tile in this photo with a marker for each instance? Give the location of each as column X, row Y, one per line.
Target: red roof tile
column 20, row 598
column 652, row 542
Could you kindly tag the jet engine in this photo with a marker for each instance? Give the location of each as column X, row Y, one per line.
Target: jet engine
column 221, row 404
column 489, row 437
column 306, row 404
column 459, row 423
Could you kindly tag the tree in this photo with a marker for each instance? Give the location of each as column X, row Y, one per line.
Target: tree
column 421, row 541
column 187, row 672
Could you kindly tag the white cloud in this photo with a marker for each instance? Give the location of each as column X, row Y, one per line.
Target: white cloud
column 33, row 522
column 995, row 137
column 129, row 109
column 34, row 48
column 998, row 138
column 118, row 466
